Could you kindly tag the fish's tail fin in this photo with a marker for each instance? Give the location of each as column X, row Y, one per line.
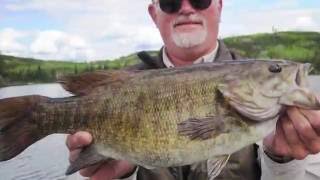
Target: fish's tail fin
column 18, row 129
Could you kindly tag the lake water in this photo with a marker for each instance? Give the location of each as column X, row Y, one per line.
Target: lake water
column 51, row 90
column 48, row 158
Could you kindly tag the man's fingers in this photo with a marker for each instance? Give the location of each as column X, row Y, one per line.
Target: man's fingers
column 298, row 149
column 305, row 130
column 280, row 145
column 89, row 171
column 74, row 154
column 75, row 143
column 110, row 170
column 78, row 140
column 302, row 125
column 113, row 170
column 314, row 119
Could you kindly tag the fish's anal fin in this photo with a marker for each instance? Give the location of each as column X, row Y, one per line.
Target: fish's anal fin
column 84, row 83
column 202, row 128
column 216, row 165
column 87, row 157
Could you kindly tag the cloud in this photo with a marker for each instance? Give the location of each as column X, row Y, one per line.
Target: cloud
column 45, row 5
column 244, row 22
column 303, row 22
column 116, row 27
column 10, row 41
column 285, row 4
column 51, row 44
column 59, row 45
column 121, row 27
column 106, row 29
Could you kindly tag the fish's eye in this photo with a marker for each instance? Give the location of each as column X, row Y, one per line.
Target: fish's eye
column 275, row 68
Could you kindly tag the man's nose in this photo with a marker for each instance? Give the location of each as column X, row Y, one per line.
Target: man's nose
column 186, row 7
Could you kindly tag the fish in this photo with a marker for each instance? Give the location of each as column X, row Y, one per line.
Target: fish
column 162, row 117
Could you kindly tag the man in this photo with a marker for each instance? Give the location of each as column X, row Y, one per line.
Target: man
column 189, row 29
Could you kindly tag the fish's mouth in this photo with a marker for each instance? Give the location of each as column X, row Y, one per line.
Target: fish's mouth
column 297, row 95
column 300, row 95
column 302, row 74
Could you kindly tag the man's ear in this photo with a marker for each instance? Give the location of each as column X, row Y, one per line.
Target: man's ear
column 152, row 13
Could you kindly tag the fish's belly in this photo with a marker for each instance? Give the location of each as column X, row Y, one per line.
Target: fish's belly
column 145, row 138
column 177, row 151
column 147, row 133
column 163, row 157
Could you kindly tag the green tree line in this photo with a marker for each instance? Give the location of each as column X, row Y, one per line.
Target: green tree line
column 15, row 70
column 296, row 46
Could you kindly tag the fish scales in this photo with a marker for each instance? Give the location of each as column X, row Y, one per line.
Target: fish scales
column 166, row 117
column 142, row 119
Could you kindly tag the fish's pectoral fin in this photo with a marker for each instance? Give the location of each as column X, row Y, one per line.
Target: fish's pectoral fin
column 87, row 157
column 84, row 83
column 216, row 165
column 202, row 128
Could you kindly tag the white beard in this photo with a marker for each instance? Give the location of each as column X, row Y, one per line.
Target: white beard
column 190, row 39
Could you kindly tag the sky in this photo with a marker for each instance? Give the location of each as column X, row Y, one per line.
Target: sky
column 87, row 30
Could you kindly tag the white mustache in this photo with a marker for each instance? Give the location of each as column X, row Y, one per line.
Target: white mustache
column 192, row 18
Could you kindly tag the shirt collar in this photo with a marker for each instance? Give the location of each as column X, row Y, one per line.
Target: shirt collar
column 210, row 57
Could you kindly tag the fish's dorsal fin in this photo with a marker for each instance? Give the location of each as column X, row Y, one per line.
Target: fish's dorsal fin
column 84, row 83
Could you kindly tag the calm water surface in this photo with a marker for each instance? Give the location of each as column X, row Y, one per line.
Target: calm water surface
column 315, row 83
column 48, row 158
column 51, row 90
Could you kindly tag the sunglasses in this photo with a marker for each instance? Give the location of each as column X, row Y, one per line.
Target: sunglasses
column 173, row 6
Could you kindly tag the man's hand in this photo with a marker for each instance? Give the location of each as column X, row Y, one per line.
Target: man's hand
column 106, row 171
column 297, row 134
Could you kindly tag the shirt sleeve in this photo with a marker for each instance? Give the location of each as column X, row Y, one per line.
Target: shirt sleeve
column 293, row 170
column 307, row 169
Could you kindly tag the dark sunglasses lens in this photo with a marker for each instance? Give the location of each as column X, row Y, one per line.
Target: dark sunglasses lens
column 200, row 4
column 170, row 6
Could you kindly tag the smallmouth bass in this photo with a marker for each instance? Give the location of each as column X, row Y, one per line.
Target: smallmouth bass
column 163, row 117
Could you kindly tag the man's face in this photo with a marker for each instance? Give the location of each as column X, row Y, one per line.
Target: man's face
column 188, row 27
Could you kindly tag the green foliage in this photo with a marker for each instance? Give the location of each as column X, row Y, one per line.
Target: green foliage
column 2, row 82
column 26, row 70
column 316, row 62
column 297, row 46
